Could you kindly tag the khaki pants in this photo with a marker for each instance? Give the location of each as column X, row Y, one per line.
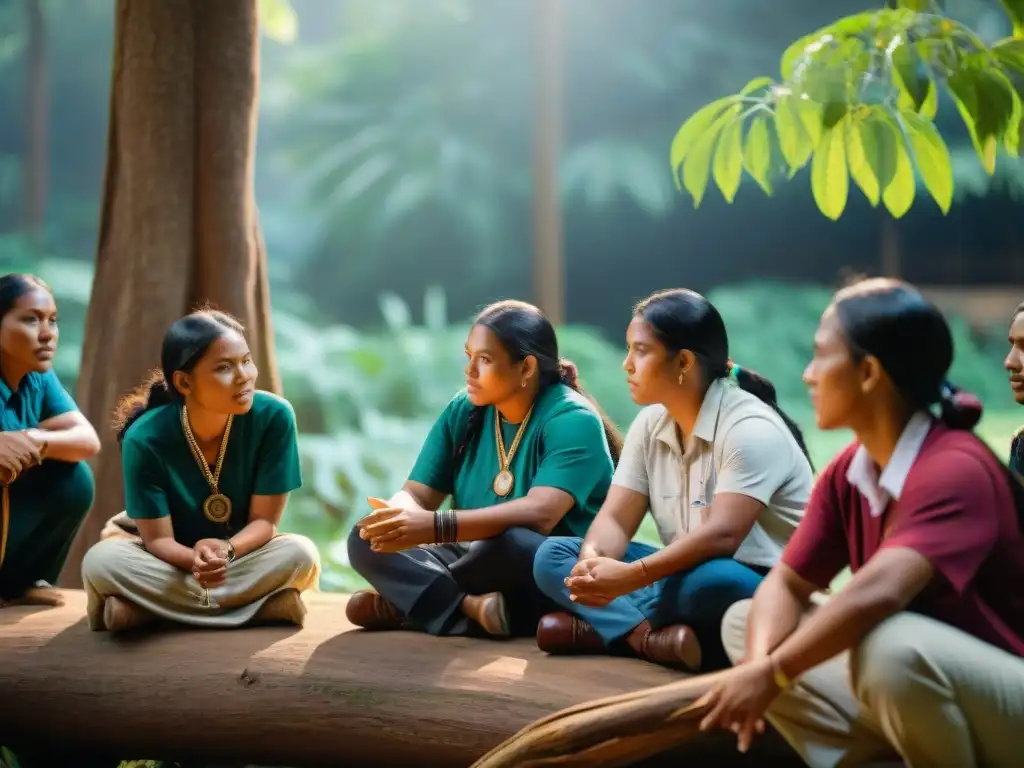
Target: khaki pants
column 927, row 691
column 121, row 566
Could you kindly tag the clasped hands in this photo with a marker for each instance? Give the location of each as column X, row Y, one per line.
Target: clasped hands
column 392, row 529
column 595, row 581
column 210, row 562
column 18, row 452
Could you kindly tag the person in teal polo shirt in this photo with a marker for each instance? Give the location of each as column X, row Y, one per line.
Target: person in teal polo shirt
column 208, row 464
column 48, row 488
column 522, row 453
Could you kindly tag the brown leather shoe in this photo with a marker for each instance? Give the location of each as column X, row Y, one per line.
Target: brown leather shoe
column 563, row 633
column 675, row 646
column 369, row 610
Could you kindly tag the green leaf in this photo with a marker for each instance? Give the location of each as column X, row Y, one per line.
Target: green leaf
column 931, row 156
column 728, row 164
column 984, row 98
column 1015, row 10
column 909, row 74
column 1010, row 53
column 757, row 154
column 914, row 5
column 756, row 84
column 693, row 130
column 697, row 167
column 857, row 148
column 830, row 183
column 899, row 195
column 798, row 123
column 872, row 142
column 278, row 20
column 809, row 50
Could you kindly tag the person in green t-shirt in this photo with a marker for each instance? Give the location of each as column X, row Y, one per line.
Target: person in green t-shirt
column 48, row 488
column 1014, row 364
column 522, row 453
column 208, row 464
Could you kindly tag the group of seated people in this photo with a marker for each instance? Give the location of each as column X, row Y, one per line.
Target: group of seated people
column 519, row 515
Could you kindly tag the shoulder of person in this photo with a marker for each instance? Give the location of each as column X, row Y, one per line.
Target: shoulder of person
column 268, row 406
column 953, row 458
column 153, row 429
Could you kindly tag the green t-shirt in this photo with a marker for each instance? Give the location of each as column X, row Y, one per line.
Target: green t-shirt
column 564, row 446
column 161, row 476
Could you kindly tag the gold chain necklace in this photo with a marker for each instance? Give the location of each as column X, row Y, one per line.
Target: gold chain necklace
column 504, row 480
column 217, row 506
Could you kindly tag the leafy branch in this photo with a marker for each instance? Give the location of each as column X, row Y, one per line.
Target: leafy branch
column 857, row 100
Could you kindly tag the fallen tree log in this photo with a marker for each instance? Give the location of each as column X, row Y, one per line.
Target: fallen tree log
column 327, row 694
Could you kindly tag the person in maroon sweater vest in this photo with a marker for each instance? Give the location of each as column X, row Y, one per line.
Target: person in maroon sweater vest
column 919, row 657
column 1014, row 363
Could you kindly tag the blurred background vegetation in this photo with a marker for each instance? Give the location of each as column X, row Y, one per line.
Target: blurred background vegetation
column 395, row 191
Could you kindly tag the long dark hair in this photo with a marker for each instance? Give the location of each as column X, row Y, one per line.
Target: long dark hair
column 893, row 322
column 523, row 330
column 185, row 343
column 683, row 319
column 15, row 285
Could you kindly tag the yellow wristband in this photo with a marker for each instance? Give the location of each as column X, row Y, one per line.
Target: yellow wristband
column 781, row 678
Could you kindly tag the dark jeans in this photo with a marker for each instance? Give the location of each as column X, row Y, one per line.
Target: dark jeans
column 698, row 598
column 428, row 583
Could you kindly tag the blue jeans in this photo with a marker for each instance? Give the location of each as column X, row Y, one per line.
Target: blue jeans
column 697, row 598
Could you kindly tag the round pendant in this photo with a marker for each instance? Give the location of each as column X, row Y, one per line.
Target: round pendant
column 217, row 508
column 503, row 482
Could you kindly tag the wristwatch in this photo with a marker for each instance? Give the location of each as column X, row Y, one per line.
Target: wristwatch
column 231, row 550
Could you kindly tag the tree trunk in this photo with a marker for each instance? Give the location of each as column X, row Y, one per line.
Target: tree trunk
column 35, row 164
column 325, row 695
column 179, row 226
column 548, row 247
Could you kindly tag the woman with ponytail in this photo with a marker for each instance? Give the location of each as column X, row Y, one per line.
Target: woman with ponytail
column 522, row 453
column 918, row 658
column 208, row 463
column 725, row 475
column 45, row 440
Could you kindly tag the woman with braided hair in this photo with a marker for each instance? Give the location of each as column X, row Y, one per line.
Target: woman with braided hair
column 725, row 475
column 523, row 453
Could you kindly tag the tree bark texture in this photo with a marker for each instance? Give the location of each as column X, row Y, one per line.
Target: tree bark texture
column 652, row 726
column 179, row 226
column 328, row 694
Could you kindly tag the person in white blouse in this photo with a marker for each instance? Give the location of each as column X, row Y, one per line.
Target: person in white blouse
column 725, row 475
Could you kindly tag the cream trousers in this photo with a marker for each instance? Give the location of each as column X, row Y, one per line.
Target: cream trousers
column 915, row 689
column 120, row 566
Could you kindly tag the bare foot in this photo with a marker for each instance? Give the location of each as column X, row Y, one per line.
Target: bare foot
column 120, row 614
column 286, row 606
column 489, row 612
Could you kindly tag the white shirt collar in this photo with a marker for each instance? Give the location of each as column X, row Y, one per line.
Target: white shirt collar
column 863, row 473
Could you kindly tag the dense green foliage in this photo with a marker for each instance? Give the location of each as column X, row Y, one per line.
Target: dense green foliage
column 858, row 99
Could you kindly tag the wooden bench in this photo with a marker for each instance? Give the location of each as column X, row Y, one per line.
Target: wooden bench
column 327, row 694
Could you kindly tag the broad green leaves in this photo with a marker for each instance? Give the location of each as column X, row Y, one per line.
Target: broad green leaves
column 857, row 100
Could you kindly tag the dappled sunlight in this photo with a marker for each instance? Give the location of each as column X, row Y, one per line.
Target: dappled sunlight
column 468, row 675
